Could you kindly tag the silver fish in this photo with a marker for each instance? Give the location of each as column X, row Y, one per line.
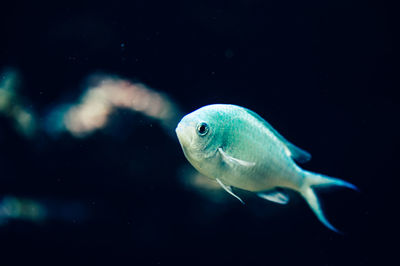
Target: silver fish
column 238, row 148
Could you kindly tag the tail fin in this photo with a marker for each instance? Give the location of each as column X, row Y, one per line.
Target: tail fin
column 313, row 179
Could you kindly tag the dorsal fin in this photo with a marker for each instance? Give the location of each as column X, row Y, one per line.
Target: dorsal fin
column 298, row 154
column 293, row 151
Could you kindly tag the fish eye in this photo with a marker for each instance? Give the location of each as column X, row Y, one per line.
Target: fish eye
column 202, row 129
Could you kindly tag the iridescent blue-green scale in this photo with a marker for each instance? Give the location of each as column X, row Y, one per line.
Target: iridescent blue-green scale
column 248, row 139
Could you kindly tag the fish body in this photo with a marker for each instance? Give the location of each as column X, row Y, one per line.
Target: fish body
column 240, row 149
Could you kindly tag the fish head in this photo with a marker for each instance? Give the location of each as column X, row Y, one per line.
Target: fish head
column 198, row 134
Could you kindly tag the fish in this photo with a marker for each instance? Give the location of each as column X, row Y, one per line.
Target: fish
column 239, row 149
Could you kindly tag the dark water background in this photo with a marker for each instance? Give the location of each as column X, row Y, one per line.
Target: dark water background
column 321, row 72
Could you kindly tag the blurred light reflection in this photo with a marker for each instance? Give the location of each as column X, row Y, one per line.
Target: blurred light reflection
column 12, row 105
column 104, row 95
column 21, row 209
column 92, row 111
column 16, row 208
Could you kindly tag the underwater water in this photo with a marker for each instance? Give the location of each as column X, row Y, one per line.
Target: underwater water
column 91, row 170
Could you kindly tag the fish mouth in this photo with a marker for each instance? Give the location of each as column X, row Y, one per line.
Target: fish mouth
column 179, row 131
column 183, row 136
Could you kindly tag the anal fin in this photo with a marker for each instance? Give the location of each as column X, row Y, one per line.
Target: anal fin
column 275, row 196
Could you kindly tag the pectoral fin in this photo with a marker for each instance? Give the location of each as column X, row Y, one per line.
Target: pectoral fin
column 233, row 161
column 275, row 196
column 229, row 190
